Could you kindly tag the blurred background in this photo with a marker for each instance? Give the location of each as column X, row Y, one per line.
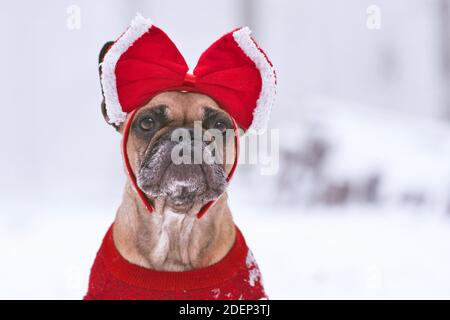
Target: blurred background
column 360, row 205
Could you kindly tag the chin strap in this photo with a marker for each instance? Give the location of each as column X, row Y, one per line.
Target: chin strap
column 131, row 175
column 233, row 168
column 126, row 132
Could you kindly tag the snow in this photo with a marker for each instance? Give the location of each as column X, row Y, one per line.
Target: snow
column 412, row 150
column 303, row 253
column 349, row 253
column 254, row 275
column 406, row 154
column 215, row 292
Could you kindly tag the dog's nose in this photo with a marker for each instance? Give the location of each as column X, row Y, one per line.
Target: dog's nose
column 186, row 134
column 188, row 146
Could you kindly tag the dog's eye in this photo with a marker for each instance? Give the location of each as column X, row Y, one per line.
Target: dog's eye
column 221, row 126
column 147, row 123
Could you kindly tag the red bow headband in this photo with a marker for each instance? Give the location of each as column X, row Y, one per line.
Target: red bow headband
column 143, row 62
column 233, row 71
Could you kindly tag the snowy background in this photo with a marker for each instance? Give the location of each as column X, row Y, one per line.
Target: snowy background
column 360, row 207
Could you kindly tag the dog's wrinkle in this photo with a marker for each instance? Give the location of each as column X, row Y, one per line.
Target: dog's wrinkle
column 211, row 193
column 151, row 149
column 215, row 177
column 153, row 169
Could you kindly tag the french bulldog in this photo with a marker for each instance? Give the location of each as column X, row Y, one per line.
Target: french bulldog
column 173, row 236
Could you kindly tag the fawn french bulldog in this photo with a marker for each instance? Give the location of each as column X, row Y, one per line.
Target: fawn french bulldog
column 173, row 236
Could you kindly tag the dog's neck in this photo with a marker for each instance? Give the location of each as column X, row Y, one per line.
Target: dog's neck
column 168, row 241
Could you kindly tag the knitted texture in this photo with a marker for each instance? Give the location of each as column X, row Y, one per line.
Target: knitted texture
column 236, row 276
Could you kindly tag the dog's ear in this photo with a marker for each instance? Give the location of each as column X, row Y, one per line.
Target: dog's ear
column 101, row 56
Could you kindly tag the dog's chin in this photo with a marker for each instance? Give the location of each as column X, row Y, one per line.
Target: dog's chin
column 179, row 207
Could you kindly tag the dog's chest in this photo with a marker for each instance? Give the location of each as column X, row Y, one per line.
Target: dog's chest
column 171, row 248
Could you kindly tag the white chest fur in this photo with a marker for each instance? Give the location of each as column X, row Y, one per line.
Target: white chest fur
column 172, row 243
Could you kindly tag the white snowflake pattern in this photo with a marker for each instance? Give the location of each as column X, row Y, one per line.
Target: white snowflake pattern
column 215, row 293
column 254, row 275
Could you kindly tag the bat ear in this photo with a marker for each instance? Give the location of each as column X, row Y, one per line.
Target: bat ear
column 101, row 56
column 103, row 51
column 105, row 116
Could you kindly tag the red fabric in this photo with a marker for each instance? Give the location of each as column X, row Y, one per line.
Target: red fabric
column 153, row 64
column 236, row 276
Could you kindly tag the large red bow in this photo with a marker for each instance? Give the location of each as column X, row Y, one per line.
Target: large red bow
column 234, row 71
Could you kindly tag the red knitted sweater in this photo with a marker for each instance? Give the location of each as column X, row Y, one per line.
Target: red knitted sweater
column 236, row 276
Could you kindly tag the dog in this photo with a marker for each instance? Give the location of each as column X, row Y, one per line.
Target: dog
column 173, row 236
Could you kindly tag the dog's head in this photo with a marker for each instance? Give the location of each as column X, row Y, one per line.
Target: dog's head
column 181, row 150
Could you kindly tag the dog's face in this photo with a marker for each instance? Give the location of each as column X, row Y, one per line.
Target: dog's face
column 158, row 135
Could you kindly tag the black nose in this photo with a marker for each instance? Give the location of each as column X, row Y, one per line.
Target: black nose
column 185, row 134
column 189, row 143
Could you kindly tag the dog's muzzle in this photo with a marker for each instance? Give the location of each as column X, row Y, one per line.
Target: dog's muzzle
column 181, row 171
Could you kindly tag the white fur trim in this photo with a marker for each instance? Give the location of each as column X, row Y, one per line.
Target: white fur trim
column 266, row 98
column 139, row 26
